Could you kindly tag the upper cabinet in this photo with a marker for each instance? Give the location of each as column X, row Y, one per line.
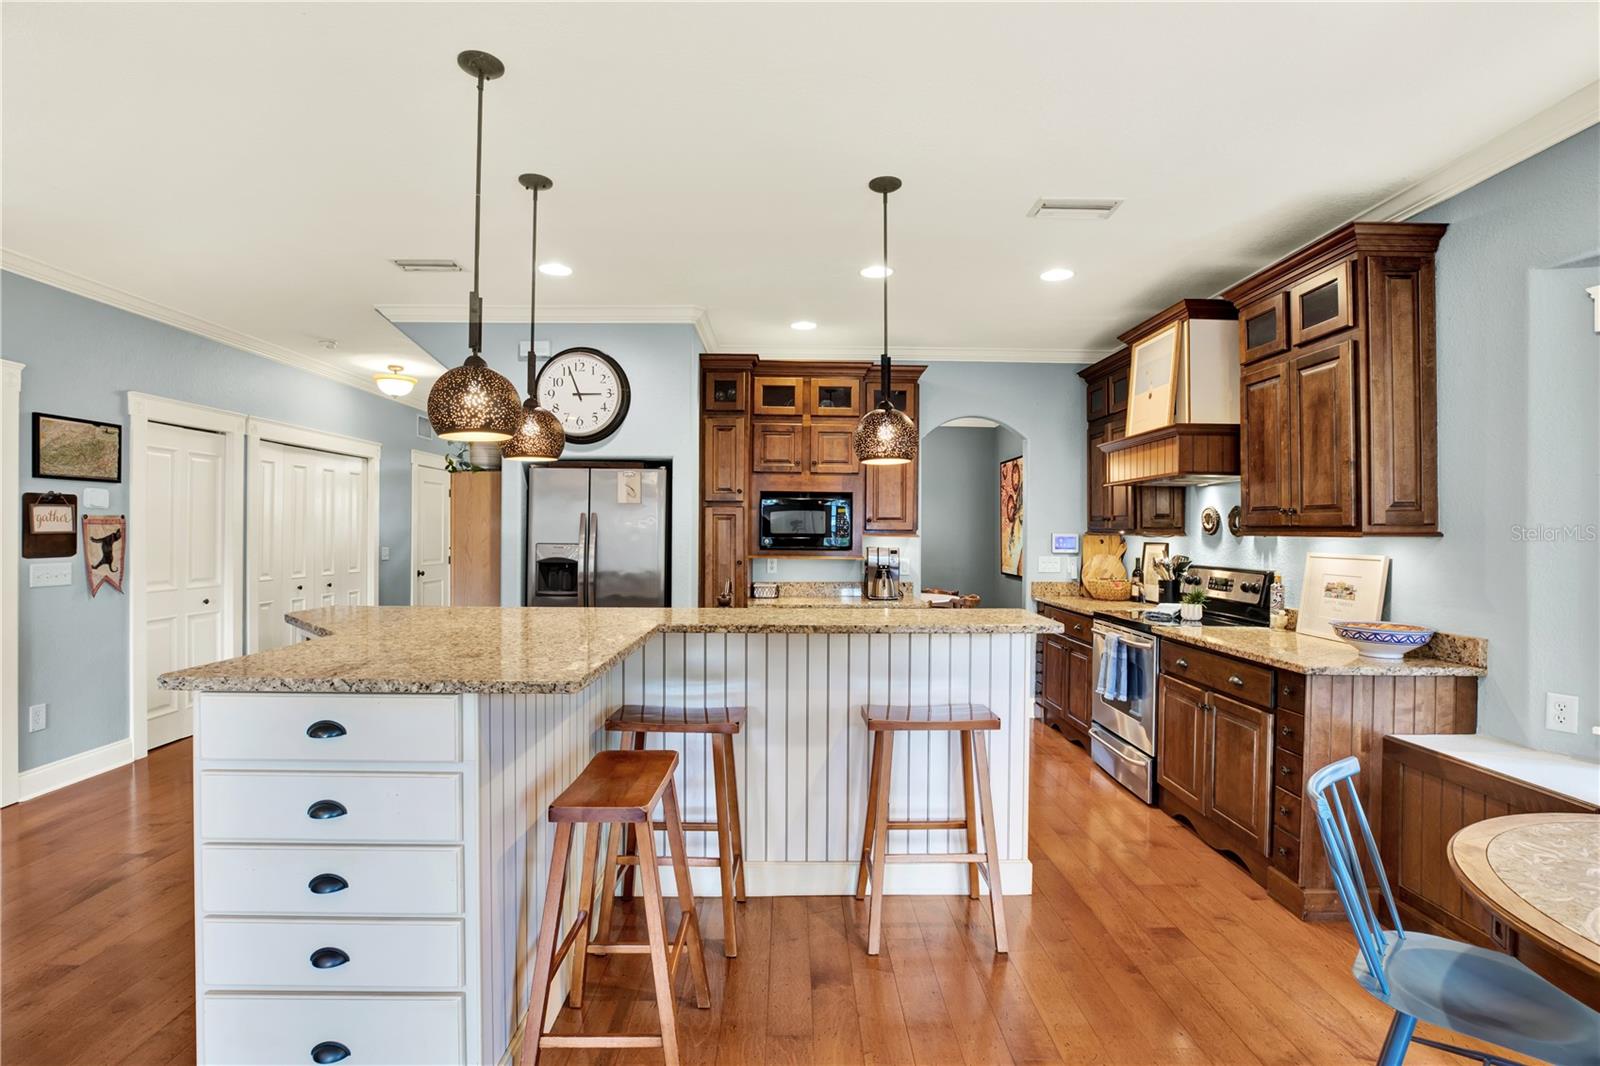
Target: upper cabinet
column 1121, row 508
column 834, row 396
column 724, row 390
column 1338, row 416
column 891, row 491
column 779, row 395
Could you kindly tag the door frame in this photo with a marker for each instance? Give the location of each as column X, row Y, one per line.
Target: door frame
column 143, row 409
column 259, row 430
column 10, row 576
column 432, row 461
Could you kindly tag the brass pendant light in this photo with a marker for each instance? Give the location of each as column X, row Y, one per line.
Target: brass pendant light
column 473, row 402
column 539, row 437
column 885, row 436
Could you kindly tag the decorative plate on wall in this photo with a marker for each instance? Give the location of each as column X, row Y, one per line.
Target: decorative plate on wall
column 1210, row 520
column 1233, row 519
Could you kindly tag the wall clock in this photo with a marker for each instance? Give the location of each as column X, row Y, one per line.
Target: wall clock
column 586, row 389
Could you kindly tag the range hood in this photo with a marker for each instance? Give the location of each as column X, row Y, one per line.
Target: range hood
column 1184, row 453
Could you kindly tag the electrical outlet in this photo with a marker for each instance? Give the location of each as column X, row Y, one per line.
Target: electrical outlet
column 383, row 553
column 49, row 575
column 1560, row 712
column 772, row 566
column 38, row 717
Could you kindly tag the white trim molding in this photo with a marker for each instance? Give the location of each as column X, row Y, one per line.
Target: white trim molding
column 581, row 314
column 1551, row 126
column 10, row 576
column 1594, row 294
column 428, row 459
column 144, row 409
column 74, row 768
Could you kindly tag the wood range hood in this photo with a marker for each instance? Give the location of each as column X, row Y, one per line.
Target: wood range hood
column 1184, row 453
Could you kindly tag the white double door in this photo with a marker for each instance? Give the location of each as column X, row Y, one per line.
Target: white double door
column 307, row 519
column 187, row 602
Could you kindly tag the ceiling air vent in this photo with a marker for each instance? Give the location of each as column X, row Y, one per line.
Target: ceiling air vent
column 1072, row 209
column 427, row 266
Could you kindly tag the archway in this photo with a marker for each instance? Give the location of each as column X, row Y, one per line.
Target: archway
column 960, row 508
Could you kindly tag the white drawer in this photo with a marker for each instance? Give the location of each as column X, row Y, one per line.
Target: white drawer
column 377, row 954
column 330, row 727
column 375, row 880
column 274, row 1030
column 402, row 808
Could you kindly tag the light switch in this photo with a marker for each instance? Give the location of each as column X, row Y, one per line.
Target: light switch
column 383, row 553
column 49, row 575
column 1049, row 564
column 100, row 498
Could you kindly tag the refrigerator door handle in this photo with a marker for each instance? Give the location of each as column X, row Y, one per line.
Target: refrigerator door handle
column 593, row 553
column 583, row 558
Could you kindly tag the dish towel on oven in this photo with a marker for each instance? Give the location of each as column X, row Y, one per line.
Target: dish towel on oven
column 1113, row 680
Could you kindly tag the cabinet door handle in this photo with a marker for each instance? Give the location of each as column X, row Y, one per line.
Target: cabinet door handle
column 327, row 884
column 1284, row 770
column 322, row 810
column 1078, row 628
column 1181, row 662
column 1286, row 731
column 1283, row 851
column 1284, row 811
column 329, row 1051
column 1235, row 679
column 326, row 729
column 328, row 958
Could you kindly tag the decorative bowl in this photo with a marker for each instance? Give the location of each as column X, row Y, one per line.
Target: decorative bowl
column 1382, row 640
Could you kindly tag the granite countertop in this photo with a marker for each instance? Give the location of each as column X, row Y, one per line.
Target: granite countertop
column 837, row 600
column 1281, row 648
column 531, row 649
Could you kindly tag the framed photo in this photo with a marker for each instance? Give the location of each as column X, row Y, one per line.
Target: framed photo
column 1011, row 517
column 1152, row 551
column 1341, row 588
column 1152, row 381
column 49, row 525
column 105, row 547
column 76, row 449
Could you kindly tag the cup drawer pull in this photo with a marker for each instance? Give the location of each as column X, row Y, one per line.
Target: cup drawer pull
column 328, row 958
column 327, row 884
column 329, row 1051
column 325, row 809
column 1183, row 663
column 326, row 729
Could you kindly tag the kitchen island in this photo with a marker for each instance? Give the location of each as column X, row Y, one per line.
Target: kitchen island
column 373, row 798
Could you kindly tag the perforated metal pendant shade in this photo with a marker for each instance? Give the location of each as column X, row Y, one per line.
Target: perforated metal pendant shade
column 539, row 439
column 473, row 403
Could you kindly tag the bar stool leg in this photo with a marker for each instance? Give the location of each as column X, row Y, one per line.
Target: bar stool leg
column 969, row 796
column 656, row 926
column 733, row 815
column 608, row 882
column 630, row 834
column 580, row 946
column 725, row 852
column 876, row 762
column 680, row 874
column 549, row 929
column 880, row 841
column 991, row 844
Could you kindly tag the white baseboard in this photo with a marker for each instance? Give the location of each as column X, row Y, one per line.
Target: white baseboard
column 34, row 783
column 839, row 879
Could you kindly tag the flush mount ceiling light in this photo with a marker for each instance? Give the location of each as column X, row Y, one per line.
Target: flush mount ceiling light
column 803, row 325
column 539, row 437
column 472, row 402
column 1056, row 274
column 876, row 271
column 428, row 266
column 555, row 270
column 884, row 436
column 396, row 382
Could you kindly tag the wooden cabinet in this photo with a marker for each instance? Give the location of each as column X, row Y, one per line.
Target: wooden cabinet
column 832, row 446
column 778, row 395
column 475, row 538
column 1159, row 509
column 1080, row 686
column 724, row 389
column 724, row 459
column 1110, row 506
column 1121, row 508
column 891, row 498
column 778, row 447
column 1066, row 686
column 1238, row 788
column 1339, row 425
column 1181, row 741
column 723, row 581
column 830, row 396
column 1053, row 688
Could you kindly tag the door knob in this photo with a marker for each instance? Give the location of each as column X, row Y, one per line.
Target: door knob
column 205, row 602
column 421, row 573
column 330, row 584
column 302, row 588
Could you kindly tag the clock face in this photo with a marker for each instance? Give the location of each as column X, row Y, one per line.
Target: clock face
column 586, row 390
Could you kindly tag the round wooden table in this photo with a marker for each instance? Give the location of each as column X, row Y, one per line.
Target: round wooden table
column 1541, row 874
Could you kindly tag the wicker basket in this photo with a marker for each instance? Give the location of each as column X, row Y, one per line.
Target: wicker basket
column 1107, row 588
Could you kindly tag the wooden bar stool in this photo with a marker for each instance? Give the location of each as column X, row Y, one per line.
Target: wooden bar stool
column 617, row 788
column 971, row 720
column 719, row 725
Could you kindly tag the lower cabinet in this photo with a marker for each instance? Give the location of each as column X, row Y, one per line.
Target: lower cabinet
column 723, row 582
column 1066, row 686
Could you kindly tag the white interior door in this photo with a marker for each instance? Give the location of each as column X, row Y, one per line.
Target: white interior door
column 185, row 475
column 430, row 534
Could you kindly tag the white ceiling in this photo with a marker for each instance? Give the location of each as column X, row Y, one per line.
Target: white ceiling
column 250, row 170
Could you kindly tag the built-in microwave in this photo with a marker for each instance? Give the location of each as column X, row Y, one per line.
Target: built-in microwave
column 806, row 522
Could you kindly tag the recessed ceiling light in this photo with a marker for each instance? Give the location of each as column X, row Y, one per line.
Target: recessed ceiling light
column 876, row 271
column 803, row 324
column 555, row 270
column 1056, row 274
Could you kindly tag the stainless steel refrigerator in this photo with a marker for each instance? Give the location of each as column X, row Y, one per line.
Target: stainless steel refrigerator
column 598, row 535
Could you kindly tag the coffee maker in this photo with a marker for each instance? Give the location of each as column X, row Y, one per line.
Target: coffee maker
column 880, row 579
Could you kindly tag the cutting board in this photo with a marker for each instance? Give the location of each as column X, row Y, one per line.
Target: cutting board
column 1104, row 576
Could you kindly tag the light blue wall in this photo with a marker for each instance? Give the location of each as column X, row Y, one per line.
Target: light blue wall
column 82, row 359
column 960, row 511
column 1519, row 451
column 662, row 364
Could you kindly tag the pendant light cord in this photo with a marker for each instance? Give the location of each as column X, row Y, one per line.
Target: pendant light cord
column 887, row 401
column 475, row 302
column 533, row 298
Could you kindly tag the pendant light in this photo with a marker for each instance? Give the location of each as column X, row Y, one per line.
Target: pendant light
column 885, row 436
column 472, row 402
column 539, row 437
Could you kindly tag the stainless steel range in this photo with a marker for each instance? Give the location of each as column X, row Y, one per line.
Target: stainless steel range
column 1126, row 665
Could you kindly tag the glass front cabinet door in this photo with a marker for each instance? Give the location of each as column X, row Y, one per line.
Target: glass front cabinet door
column 1264, row 327
column 1321, row 304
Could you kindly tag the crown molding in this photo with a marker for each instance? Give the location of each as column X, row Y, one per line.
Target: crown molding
column 939, row 354
column 581, row 314
column 38, row 270
column 1551, row 126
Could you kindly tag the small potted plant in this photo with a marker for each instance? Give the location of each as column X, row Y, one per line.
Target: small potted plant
column 1193, row 608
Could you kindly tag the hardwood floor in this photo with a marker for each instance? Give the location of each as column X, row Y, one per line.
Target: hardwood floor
column 1139, row 945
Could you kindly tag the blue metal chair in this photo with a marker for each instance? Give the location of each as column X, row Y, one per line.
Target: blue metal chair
column 1481, row 993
